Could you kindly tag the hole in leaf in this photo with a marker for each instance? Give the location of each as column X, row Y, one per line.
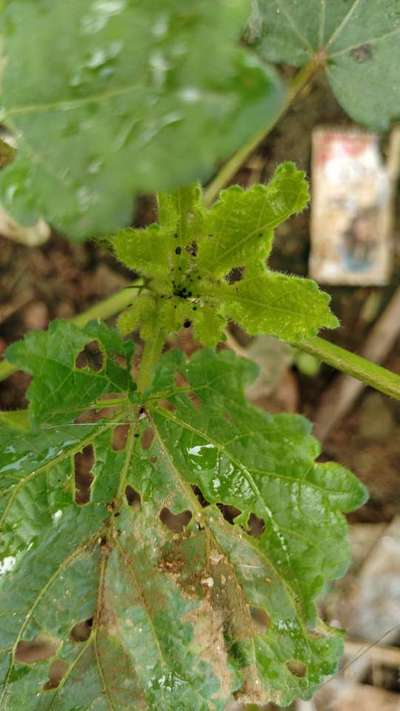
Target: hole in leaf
column 181, row 382
column 175, row 522
column 167, row 405
column 87, row 417
column 37, row 650
column 81, row 631
column 95, row 415
column 195, row 400
column 83, row 464
column 57, row 671
column 256, row 526
column 261, row 619
column 362, row 53
column 147, row 438
column 119, row 437
column 200, row 497
column 121, row 361
column 133, row 498
column 297, row 668
column 229, row 512
column 91, row 357
column 192, row 249
column 236, row 274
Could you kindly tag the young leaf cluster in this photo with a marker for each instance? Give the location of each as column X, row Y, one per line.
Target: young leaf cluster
column 207, row 266
column 187, row 577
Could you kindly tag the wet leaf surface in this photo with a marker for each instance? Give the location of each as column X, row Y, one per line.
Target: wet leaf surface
column 151, row 597
column 114, row 104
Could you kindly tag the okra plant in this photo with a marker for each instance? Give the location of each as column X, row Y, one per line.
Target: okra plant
column 163, row 542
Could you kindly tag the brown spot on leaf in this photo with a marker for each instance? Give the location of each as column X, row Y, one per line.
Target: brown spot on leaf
column 122, row 362
column 196, row 402
column 181, row 382
column 209, row 644
column 147, row 438
column 119, row 437
column 87, row 417
column 57, row 671
column 175, row 522
column 167, row 405
column 362, row 53
column 297, row 668
column 261, row 619
column 38, row 649
column 83, row 465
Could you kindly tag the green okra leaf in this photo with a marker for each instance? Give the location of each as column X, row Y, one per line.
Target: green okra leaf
column 239, row 229
column 62, row 385
column 356, row 40
column 130, row 97
column 285, row 306
column 188, row 576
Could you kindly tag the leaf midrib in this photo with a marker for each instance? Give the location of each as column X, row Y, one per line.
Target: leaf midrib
column 269, row 563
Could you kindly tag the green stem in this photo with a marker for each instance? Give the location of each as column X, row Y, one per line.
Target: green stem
column 358, row 367
column 229, row 170
column 150, row 357
column 107, row 308
column 104, row 309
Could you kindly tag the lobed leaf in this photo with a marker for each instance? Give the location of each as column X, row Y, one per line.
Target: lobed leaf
column 189, row 578
column 146, row 250
column 239, row 228
column 63, row 387
column 285, row 306
column 209, row 266
column 357, row 40
column 117, row 103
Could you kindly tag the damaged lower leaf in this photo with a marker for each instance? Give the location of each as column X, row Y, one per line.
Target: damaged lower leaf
column 188, row 579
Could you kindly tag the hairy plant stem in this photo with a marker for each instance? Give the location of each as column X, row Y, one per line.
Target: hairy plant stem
column 150, row 357
column 104, row 309
column 229, row 170
column 360, row 368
